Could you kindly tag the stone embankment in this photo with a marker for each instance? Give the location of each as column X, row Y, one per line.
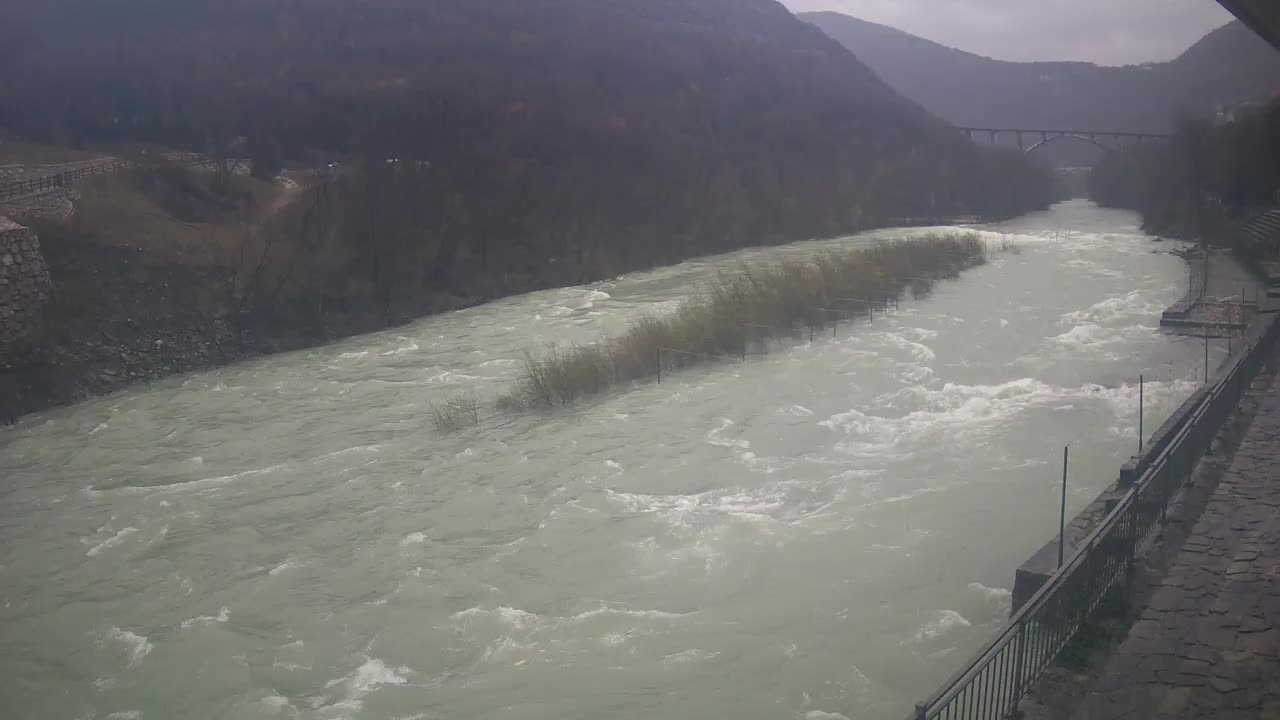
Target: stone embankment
column 80, row 319
column 25, row 289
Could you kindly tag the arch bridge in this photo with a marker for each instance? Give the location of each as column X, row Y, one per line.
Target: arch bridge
column 1029, row 139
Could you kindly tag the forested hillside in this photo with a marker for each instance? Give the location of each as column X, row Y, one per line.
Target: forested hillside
column 706, row 123
column 484, row 147
column 1234, row 167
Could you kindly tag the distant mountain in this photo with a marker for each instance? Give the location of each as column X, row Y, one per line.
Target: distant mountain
column 1228, row 65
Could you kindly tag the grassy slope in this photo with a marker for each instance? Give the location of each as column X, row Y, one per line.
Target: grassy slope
column 124, row 211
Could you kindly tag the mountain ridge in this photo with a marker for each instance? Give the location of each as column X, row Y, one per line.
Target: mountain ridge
column 1228, row 65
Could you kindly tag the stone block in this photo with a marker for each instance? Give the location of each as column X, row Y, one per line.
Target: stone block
column 24, row 282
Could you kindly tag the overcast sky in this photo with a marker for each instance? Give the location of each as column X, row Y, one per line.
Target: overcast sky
column 1108, row 32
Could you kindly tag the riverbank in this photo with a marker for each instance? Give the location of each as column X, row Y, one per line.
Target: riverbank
column 119, row 317
column 143, row 303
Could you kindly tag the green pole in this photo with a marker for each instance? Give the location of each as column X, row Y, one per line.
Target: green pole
column 1062, row 516
column 1141, row 409
column 1205, row 327
column 659, row 366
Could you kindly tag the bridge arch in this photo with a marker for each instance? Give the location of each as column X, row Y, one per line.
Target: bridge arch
column 1071, row 136
column 1115, row 140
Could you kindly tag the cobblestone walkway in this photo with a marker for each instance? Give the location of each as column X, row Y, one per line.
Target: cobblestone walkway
column 1208, row 643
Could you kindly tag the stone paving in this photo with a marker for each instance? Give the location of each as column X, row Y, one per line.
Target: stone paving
column 1208, row 643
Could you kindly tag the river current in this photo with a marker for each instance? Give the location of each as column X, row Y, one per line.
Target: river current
column 827, row 530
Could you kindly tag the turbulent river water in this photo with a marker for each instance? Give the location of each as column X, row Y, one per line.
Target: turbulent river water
column 826, row 530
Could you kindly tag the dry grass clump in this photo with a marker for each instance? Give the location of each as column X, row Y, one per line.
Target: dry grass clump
column 1009, row 245
column 722, row 316
column 559, row 377
column 456, row 413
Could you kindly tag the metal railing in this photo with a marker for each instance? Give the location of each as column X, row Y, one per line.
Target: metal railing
column 995, row 679
column 47, row 183
column 52, row 182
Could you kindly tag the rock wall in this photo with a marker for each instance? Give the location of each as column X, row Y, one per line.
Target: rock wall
column 25, row 288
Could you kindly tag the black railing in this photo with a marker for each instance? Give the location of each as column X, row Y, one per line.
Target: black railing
column 51, row 182
column 46, row 183
column 990, row 686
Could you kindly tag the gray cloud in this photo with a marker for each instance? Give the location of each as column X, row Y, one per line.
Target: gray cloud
column 1108, row 32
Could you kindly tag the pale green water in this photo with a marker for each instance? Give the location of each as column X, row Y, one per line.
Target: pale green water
column 826, row 529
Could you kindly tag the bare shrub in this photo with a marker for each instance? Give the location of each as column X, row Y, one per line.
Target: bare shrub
column 456, row 413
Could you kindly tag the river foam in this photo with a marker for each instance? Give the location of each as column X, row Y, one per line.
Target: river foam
column 138, row 646
column 114, row 541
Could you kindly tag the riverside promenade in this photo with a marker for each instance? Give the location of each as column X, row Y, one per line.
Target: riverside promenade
column 1207, row 644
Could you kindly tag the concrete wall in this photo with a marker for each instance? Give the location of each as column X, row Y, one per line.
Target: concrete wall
column 24, row 290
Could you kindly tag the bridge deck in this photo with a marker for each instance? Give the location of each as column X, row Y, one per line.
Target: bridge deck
column 1086, row 133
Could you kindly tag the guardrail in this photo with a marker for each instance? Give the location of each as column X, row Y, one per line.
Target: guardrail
column 995, row 679
column 51, row 182
column 47, row 183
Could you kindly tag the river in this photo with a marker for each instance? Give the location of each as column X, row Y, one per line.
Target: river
column 825, row 530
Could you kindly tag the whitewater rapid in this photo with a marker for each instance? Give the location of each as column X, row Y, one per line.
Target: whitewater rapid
column 823, row 531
